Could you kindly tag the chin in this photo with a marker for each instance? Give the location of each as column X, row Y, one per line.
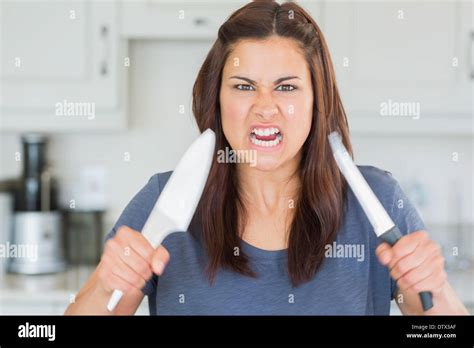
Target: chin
column 266, row 164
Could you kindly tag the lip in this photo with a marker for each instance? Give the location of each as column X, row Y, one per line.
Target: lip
column 260, row 125
column 263, row 148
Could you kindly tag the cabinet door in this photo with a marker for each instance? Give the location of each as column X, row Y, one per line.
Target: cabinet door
column 167, row 20
column 403, row 56
column 59, row 65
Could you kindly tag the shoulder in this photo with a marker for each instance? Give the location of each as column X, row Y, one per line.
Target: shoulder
column 392, row 197
column 377, row 177
column 402, row 211
column 382, row 182
column 139, row 207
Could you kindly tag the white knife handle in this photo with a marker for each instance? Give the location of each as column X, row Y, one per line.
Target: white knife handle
column 114, row 300
column 157, row 227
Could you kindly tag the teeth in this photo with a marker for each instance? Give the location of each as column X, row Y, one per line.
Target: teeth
column 266, row 143
column 265, row 131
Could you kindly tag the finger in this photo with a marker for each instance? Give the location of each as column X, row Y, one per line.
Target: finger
column 118, row 283
column 422, row 253
column 406, row 245
column 160, row 259
column 384, row 253
column 130, row 257
column 420, row 274
column 136, row 241
column 433, row 283
column 121, row 269
column 111, row 281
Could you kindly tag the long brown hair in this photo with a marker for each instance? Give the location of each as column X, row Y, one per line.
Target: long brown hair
column 319, row 209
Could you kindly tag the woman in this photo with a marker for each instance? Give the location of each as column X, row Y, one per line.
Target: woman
column 285, row 235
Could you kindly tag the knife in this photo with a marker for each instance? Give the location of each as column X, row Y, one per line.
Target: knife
column 177, row 202
column 383, row 225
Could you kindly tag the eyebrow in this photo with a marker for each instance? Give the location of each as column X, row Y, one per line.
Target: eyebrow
column 277, row 81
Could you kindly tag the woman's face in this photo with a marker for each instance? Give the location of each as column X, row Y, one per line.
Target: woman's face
column 266, row 100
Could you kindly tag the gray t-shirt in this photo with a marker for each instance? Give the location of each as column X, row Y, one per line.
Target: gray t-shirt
column 350, row 281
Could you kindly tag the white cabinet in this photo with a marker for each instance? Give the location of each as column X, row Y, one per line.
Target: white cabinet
column 62, row 66
column 403, row 66
column 170, row 20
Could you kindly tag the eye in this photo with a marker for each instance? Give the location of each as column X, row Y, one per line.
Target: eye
column 244, row 87
column 286, row 88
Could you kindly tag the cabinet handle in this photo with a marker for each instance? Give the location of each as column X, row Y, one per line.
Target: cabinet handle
column 200, row 21
column 104, row 66
column 471, row 54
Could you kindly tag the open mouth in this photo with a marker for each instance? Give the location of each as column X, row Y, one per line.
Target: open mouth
column 266, row 137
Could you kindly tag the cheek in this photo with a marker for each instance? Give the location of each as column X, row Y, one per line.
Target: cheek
column 299, row 115
column 233, row 113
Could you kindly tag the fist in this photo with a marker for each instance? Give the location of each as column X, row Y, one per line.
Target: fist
column 416, row 263
column 129, row 261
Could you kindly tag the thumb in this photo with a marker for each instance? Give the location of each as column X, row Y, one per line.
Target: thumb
column 384, row 253
column 159, row 260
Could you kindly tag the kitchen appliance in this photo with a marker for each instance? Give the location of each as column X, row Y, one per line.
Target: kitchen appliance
column 177, row 202
column 383, row 225
column 6, row 217
column 37, row 223
column 84, row 234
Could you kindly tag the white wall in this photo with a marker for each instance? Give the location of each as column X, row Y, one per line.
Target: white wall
column 161, row 77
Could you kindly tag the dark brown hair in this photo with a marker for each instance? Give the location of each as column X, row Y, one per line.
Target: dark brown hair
column 320, row 205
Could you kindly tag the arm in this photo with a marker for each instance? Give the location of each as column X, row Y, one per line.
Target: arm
column 417, row 264
column 446, row 302
column 92, row 299
column 127, row 263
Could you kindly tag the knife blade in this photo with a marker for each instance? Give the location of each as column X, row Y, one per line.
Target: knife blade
column 178, row 201
column 383, row 225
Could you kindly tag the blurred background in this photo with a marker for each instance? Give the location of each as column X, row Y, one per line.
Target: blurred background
column 96, row 98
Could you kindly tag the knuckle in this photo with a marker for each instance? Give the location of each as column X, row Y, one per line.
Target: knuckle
column 397, row 253
column 402, row 284
column 401, row 268
column 422, row 235
column 380, row 248
column 148, row 251
column 417, row 287
column 112, row 245
column 144, row 270
column 123, row 231
column 408, row 279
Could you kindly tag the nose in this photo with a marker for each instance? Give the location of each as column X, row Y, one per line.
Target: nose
column 265, row 107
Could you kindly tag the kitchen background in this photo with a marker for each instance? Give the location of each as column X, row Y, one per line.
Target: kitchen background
column 405, row 70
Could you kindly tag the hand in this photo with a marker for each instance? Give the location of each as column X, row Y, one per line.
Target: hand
column 416, row 263
column 129, row 261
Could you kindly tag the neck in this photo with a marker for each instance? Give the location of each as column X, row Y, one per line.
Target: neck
column 267, row 192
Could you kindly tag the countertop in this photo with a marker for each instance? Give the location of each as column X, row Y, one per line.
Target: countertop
column 52, row 293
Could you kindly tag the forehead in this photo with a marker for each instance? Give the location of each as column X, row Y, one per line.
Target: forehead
column 269, row 58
